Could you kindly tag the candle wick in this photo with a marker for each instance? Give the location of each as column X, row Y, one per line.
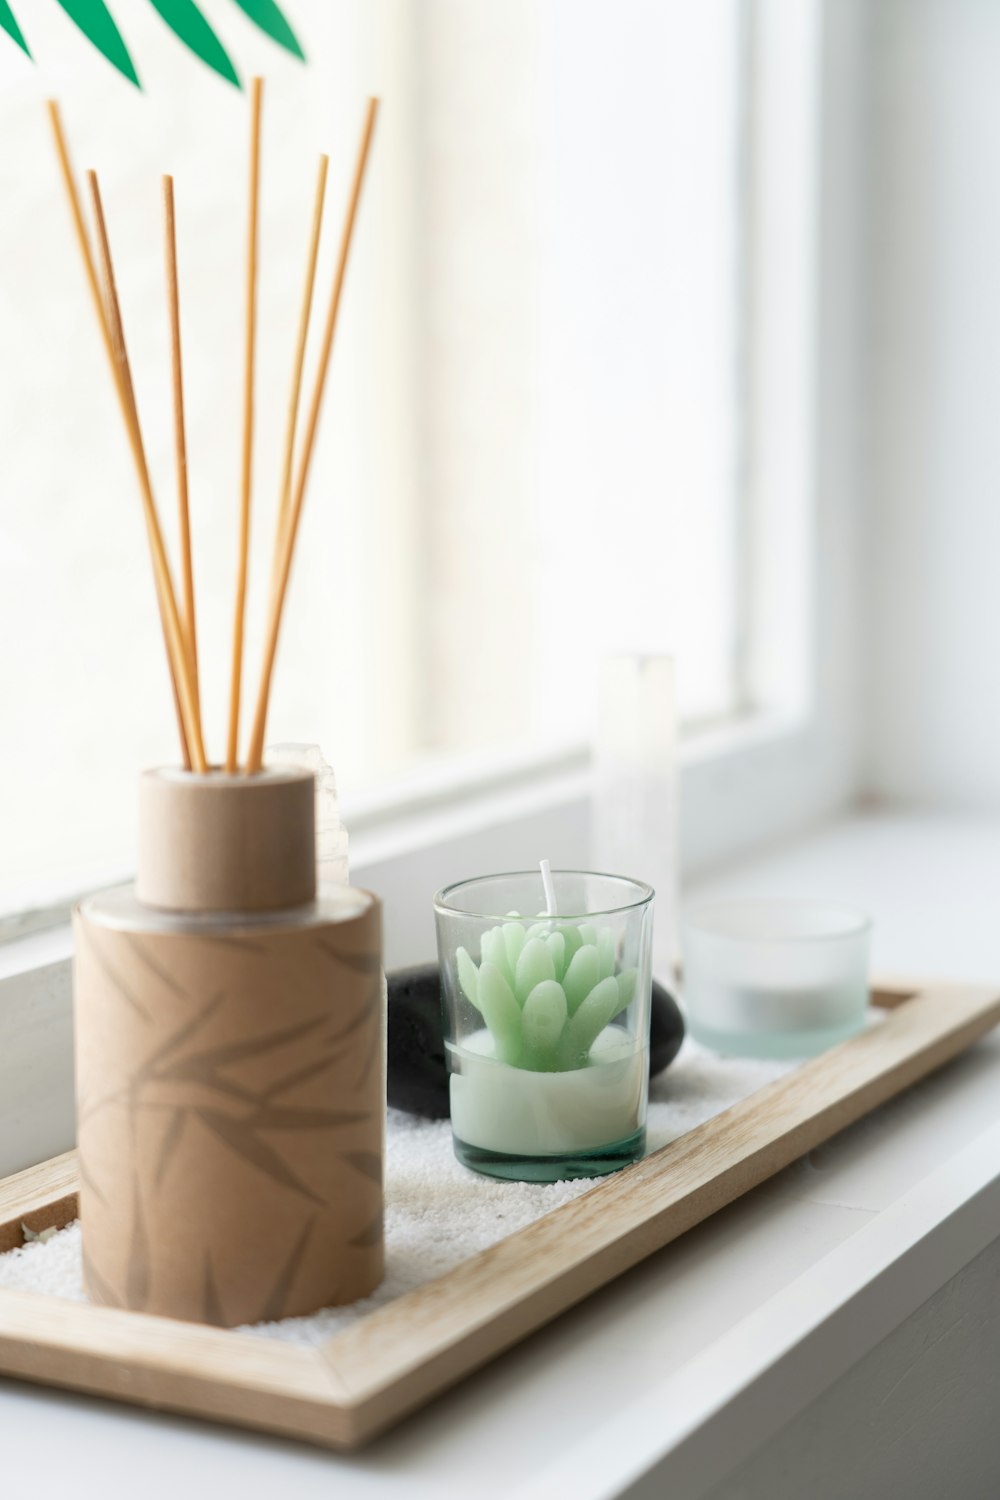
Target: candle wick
column 548, row 887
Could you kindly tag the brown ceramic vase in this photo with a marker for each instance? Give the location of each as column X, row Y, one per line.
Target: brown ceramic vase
column 230, row 1063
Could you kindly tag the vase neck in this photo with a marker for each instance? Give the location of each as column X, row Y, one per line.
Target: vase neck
column 218, row 842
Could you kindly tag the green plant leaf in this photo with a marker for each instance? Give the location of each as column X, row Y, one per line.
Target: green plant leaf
column 97, row 24
column 592, row 1015
column 11, row 27
column 501, row 1012
column 187, row 22
column 266, row 15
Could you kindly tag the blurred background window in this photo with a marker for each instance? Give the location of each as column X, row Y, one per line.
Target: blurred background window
column 531, row 452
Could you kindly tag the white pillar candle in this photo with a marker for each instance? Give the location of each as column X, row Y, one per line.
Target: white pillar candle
column 634, row 796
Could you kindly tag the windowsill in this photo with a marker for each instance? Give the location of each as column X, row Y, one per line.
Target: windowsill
column 460, row 797
column 36, row 950
column 448, row 799
column 483, row 791
column 470, row 791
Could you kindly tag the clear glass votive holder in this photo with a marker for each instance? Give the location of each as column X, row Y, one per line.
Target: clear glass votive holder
column 773, row 978
column 546, row 1022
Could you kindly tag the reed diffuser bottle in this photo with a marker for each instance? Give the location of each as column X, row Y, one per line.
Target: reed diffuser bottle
column 230, row 1063
column 230, row 1059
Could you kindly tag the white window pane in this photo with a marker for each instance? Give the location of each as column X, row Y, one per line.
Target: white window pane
column 579, row 252
column 639, row 454
column 527, row 452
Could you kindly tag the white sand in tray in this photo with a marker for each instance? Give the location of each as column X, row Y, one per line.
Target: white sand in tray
column 438, row 1213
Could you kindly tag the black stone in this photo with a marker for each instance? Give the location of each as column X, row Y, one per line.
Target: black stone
column 666, row 1029
column 417, row 1070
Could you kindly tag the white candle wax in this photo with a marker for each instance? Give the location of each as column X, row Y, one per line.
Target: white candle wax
column 497, row 1107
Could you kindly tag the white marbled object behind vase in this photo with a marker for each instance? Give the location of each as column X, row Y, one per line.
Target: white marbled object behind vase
column 634, row 787
column 332, row 865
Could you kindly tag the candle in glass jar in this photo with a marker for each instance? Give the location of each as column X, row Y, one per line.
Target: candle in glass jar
column 548, row 1072
column 547, row 1023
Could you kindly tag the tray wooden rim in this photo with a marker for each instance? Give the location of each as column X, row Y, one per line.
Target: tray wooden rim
column 365, row 1379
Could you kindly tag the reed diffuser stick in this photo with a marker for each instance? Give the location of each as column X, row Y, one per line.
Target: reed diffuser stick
column 285, row 494
column 232, row 748
column 83, row 242
column 180, row 440
column 176, row 652
column 255, row 756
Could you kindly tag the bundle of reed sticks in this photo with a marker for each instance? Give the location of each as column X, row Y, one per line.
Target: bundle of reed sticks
column 178, row 619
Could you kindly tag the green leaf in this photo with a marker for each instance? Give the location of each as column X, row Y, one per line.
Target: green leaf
column 513, row 938
column 556, row 944
column 11, row 27
column 501, row 1012
column 187, row 22
column 493, row 950
column 542, row 1021
column 582, row 972
column 534, row 965
column 97, row 24
column 592, row 1015
column 266, row 15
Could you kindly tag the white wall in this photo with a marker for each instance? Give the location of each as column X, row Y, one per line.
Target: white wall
column 933, row 195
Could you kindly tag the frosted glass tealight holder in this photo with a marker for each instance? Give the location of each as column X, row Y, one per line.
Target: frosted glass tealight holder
column 771, row 978
column 331, row 835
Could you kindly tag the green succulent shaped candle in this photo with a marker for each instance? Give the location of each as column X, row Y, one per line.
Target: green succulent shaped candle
column 547, row 1023
column 546, row 991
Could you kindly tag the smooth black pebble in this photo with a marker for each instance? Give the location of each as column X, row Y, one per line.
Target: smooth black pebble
column 417, row 1070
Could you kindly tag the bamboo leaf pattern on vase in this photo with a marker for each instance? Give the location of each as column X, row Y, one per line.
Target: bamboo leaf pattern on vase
column 244, row 1142
column 210, row 1086
column 185, row 19
column 277, row 1298
column 137, row 1272
column 241, row 1133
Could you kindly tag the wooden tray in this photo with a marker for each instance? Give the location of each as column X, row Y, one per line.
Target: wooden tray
column 363, row 1380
